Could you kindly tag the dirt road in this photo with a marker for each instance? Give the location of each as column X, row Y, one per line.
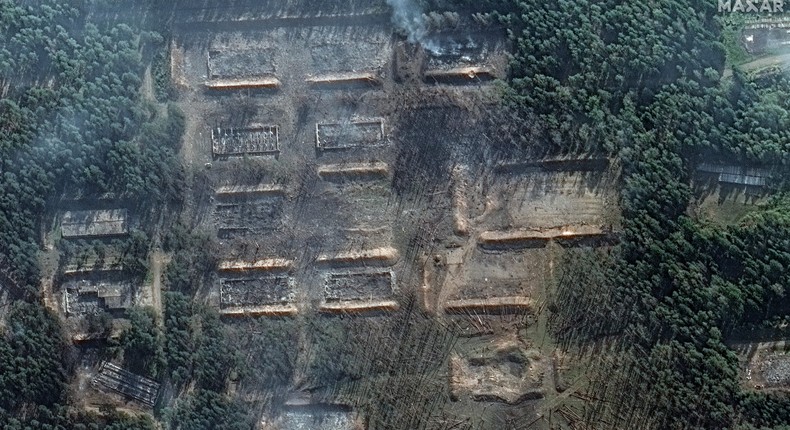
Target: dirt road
column 158, row 260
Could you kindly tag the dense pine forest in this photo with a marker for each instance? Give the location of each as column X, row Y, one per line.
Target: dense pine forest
column 643, row 82
column 639, row 81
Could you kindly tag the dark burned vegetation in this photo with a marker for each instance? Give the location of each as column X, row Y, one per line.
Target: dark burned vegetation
column 90, row 112
column 390, row 368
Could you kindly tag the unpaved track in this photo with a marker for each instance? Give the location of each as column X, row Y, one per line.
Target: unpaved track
column 158, row 260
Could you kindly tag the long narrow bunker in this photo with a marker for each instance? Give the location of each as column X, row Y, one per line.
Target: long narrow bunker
column 259, row 83
column 379, row 256
column 538, row 238
column 373, row 170
column 493, row 305
column 460, row 75
column 344, row 80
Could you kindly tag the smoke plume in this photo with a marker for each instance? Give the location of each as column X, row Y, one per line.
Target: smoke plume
column 408, row 17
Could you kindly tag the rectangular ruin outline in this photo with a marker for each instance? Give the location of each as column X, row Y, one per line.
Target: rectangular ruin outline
column 260, row 145
column 116, row 225
column 358, row 122
column 349, row 274
column 126, row 383
column 265, row 268
column 290, row 299
column 79, row 283
column 268, row 205
column 217, row 77
column 362, row 304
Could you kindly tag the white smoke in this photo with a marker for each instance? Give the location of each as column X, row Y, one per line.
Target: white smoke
column 407, row 16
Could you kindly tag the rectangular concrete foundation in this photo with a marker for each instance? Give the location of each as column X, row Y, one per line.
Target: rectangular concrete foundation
column 244, row 63
column 94, row 223
column 359, row 292
column 256, row 291
column 237, row 215
column 358, row 286
column 92, row 292
column 352, row 134
column 245, row 141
